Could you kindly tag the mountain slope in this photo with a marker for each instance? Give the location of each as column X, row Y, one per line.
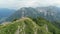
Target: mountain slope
column 30, row 12
column 29, row 26
column 50, row 13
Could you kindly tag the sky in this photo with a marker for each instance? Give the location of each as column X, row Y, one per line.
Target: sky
column 15, row 4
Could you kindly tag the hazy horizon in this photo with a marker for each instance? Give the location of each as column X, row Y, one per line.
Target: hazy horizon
column 15, row 4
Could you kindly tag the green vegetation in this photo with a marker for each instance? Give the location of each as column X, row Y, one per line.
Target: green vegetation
column 29, row 26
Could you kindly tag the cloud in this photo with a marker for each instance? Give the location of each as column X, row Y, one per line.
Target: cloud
column 14, row 4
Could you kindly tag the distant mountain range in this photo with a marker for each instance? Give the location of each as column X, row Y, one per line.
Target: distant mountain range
column 51, row 13
column 5, row 12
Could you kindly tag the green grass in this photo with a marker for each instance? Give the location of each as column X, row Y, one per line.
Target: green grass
column 29, row 26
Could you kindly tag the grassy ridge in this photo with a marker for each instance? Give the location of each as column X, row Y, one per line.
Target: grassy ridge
column 29, row 26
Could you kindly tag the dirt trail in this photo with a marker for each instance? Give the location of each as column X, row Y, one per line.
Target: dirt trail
column 17, row 31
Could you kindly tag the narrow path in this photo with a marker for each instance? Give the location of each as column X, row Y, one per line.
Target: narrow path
column 17, row 31
column 46, row 28
column 35, row 30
